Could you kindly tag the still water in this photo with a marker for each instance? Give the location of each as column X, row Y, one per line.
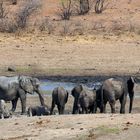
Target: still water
column 49, row 85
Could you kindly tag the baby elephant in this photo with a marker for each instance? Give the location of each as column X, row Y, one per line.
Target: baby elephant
column 4, row 112
column 38, row 111
column 60, row 98
column 87, row 101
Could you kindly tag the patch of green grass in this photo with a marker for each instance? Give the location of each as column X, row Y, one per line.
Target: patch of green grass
column 98, row 132
column 47, row 92
column 107, row 130
column 24, row 69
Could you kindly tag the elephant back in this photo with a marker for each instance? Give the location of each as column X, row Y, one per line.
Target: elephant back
column 7, row 82
column 62, row 95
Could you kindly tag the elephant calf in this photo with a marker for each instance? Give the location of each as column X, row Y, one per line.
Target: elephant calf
column 84, row 99
column 87, row 101
column 38, row 111
column 60, row 98
column 4, row 112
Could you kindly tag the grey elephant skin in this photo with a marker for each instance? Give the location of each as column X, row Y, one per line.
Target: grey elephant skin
column 84, row 100
column 60, row 98
column 12, row 88
column 4, row 112
column 38, row 111
column 116, row 89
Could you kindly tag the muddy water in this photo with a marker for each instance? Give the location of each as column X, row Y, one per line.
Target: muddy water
column 49, row 83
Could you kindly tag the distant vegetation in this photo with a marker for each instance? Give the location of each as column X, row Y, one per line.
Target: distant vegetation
column 72, row 17
column 11, row 22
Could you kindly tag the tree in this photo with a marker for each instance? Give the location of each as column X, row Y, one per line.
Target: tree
column 14, row 2
column 84, row 6
column 66, row 10
column 99, row 6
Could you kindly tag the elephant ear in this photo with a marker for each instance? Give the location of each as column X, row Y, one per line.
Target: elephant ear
column 76, row 90
column 73, row 92
column 35, row 83
column 26, row 84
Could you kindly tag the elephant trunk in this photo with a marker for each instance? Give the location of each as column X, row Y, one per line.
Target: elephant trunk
column 40, row 94
column 131, row 96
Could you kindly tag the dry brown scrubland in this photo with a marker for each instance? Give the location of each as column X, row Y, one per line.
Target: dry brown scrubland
column 91, row 44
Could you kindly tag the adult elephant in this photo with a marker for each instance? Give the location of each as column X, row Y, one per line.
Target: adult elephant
column 116, row 88
column 60, row 98
column 84, row 99
column 12, row 88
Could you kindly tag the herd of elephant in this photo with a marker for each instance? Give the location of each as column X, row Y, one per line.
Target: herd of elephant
column 85, row 100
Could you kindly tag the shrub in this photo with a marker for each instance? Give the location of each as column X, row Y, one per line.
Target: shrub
column 66, row 10
column 23, row 14
column 3, row 12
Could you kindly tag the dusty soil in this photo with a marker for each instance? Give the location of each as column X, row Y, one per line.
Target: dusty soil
column 66, row 127
column 78, row 127
column 78, row 55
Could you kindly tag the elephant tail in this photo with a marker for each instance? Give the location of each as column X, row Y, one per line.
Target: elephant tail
column 67, row 95
column 102, row 100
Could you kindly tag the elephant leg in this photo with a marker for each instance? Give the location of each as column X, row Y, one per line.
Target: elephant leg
column 112, row 105
column 14, row 104
column 58, row 106
column 104, row 107
column 122, row 102
column 22, row 96
column 131, row 96
column 1, row 116
column 61, row 110
column 90, row 109
column 94, row 109
column 52, row 107
column 75, row 107
column 83, row 110
column 86, row 110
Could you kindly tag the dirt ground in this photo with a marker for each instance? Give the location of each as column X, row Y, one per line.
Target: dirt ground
column 68, row 127
column 78, row 55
